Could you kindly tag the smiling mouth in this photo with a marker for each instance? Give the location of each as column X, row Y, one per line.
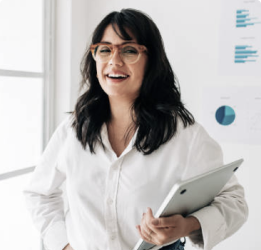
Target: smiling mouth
column 117, row 76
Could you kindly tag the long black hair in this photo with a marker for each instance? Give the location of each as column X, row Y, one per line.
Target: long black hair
column 158, row 106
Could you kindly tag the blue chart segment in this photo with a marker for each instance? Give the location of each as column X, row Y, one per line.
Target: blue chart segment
column 225, row 115
column 244, row 19
column 245, row 53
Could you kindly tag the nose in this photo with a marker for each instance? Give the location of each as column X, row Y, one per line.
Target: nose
column 116, row 59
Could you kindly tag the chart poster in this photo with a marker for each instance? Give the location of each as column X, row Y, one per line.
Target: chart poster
column 240, row 38
column 232, row 114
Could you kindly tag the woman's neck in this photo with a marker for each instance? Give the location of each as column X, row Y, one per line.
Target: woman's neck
column 121, row 126
column 121, row 112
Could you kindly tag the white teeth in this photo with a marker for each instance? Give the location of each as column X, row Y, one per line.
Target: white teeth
column 117, row 75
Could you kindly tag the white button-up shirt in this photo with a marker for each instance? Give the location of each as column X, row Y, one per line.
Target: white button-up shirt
column 94, row 201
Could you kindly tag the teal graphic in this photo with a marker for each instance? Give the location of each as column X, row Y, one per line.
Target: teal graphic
column 225, row 115
column 245, row 53
column 244, row 19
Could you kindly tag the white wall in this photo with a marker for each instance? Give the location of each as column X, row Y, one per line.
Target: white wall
column 63, row 68
column 190, row 30
column 72, row 32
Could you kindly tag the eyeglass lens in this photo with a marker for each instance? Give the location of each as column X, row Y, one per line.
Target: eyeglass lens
column 128, row 53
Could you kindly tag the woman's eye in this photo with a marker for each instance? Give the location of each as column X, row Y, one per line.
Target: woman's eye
column 103, row 50
column 130, row 50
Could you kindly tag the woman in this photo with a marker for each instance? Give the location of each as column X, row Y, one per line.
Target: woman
column 129, row 140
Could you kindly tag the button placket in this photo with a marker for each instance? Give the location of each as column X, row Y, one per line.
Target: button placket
column 110, row 204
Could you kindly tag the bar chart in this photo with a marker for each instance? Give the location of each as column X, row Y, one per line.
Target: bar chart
column 240, row 38
column 245, row 19
column 245, row 54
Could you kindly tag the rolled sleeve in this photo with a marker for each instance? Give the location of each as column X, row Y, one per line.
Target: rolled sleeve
column 213, row 228
column 226, row 214
column 44, row 193
column 228, row 211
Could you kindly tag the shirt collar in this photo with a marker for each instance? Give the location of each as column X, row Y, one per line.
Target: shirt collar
column 107, row 144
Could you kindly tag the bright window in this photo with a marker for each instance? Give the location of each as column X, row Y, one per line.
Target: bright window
column 21, row 129
column 21, row 36
column 26, row 45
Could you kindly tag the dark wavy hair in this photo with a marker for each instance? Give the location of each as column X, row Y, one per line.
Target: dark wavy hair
column 158, row 107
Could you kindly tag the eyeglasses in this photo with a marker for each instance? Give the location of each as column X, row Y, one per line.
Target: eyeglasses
column 129, row 52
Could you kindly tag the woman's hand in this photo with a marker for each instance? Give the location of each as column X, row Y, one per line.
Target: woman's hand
column 159, row 231
column 68, row 247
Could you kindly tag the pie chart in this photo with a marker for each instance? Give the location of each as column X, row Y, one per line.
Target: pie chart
column 225, row 115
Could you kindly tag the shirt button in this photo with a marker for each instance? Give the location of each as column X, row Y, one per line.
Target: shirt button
column 109, row 201
column 113, row 237
column 114, row 167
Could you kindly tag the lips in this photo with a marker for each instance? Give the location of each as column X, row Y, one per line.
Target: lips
column 118, row 75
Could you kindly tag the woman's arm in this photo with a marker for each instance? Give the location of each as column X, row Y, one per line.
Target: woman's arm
column 206, row 227
column 212, row 224
column 226, row 214
column 229, row 210
column 44, row 193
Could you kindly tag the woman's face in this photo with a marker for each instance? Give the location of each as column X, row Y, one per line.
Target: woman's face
column 129, row 84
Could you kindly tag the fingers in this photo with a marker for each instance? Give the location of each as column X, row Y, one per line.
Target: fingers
column 149, row 232
column 172, row 221
column 150, row 221
column 145, row 228
column 148, row 237
column 159, row 231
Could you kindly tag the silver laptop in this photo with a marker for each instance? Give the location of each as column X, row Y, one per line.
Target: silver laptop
column 190, row 195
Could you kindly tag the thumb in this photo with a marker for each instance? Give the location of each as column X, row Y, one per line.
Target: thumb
column 164, row 222
column 155, row 222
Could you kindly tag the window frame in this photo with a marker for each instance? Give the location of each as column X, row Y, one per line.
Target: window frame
column 47, row 75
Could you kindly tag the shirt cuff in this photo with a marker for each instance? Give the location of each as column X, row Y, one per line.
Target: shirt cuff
column 213, row 227
column 56, row 237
